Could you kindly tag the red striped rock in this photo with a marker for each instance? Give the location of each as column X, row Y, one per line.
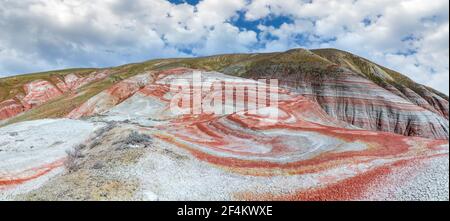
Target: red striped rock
column 111, row 97
column 355, row 99
column 73, row 81
column 10, row 108
column 431, row 123
column 38, row 92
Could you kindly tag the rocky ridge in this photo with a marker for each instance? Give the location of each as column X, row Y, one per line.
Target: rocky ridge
column 135, row 148
column 38, row 92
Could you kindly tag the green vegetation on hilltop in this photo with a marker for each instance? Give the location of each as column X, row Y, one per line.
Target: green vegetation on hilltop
column 62, row 106
column 291, row 66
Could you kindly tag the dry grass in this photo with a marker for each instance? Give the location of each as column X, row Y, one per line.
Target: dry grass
column 12, row 86
column 74, row 157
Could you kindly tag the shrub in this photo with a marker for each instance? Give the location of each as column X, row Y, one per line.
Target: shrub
column 135, row 138
column 73, row 158
column 100, row 133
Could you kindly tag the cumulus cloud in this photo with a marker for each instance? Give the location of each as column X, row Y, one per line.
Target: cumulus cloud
column 39, row 35
column 410, row 36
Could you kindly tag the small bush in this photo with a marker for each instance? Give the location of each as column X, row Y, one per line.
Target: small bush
column 141, row 84
column 98, row 166
column 100, row 133
column 135, row 138
column 73, row 158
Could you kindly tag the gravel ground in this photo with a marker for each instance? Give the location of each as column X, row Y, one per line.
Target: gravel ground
column 424, row 181
column 430, row 183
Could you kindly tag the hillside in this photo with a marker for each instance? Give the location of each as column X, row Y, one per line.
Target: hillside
column 347, row 87
column 126, row 143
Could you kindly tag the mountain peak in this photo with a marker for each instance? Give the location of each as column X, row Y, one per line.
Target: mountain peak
column 347, row 87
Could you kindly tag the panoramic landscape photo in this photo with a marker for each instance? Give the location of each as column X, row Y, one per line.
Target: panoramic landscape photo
column 224, row 100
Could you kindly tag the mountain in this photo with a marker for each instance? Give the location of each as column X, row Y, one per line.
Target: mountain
column 343, row 128
column 347, row 87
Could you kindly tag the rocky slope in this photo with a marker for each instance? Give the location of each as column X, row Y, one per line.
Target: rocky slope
column 363, row 94
column 39, row 91
column 347, row 87
column 131, row 146
column 392, row 81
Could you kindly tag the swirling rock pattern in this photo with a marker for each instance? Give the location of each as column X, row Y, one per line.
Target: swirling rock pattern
column 319, row 157
column 39, row 92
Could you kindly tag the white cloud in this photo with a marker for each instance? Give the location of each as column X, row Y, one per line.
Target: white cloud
column 410, row 36
column 39, row 35
column 226, row 38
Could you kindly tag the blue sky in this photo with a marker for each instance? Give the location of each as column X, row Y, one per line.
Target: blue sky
column 410, row 36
